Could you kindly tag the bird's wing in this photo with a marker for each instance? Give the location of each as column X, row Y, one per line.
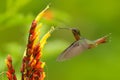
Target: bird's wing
column 74, row 49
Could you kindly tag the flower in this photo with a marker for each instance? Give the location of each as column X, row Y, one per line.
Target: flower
column 32, row 67
column 11, row 72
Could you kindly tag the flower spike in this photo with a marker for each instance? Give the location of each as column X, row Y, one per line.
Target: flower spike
column 11, row 72
column 32, row 67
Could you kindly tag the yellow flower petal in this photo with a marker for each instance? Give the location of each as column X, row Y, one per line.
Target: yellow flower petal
column 41, row 14
column 43, row 64
column 45, row 37
column 37, row 30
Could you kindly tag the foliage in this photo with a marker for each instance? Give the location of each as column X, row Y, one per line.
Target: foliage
column 93, row 18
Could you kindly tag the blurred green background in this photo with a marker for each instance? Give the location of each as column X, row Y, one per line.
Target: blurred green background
column 94, row 18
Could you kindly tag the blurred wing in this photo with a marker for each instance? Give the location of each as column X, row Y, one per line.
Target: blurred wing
column 74, row 49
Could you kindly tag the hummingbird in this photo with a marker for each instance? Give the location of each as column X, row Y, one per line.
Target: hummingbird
column 79, row 45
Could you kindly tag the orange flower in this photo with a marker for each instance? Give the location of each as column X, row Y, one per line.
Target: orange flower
column 11, row 72
column 32, row 67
